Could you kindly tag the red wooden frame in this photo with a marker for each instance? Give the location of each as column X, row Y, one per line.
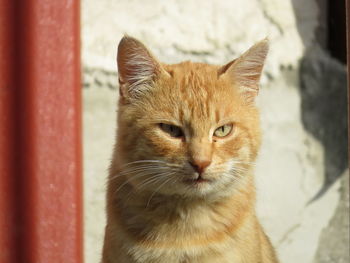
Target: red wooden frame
column 40, row 132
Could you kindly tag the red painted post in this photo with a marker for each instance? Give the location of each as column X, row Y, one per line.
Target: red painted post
column 8, row 208
column 40, row 139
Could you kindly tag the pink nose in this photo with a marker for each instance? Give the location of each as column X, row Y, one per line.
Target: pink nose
column 199, row 165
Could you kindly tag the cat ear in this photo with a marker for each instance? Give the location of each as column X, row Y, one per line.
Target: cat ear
column 245, row 71
column 137, row 68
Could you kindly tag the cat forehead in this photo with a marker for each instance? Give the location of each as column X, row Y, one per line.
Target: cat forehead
column 188, row 77
column 196, row 94
column 190, row 69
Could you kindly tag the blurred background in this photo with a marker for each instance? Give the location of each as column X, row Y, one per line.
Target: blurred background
column 302, row 170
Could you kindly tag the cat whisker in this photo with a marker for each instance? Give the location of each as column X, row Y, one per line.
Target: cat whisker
column 153, row 180
column 128, row 180
column 123, row 173
column 235, row 162
column 161, row 162
column 139, row 168
column 147, row 182
column 236, row 175
column 142, row 161
column 238, row 170
column 155, row 191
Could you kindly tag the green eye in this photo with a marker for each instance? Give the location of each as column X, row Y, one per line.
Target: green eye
column 172, row 130
column 223, row 131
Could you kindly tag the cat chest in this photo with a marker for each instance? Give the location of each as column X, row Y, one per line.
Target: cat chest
column 213, row 253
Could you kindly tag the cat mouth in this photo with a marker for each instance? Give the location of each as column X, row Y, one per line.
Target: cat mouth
column 197, row 181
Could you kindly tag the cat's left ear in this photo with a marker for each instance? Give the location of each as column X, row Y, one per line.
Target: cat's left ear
column 245, row 71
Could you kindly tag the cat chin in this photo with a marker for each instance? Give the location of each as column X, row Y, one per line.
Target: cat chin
column 206, row 190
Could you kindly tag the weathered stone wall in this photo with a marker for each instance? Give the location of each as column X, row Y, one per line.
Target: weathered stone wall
column 302, row 103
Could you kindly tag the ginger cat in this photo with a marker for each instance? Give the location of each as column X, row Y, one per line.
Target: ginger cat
column 181, row 183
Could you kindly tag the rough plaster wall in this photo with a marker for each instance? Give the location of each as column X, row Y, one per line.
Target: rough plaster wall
column 290, row 169
column 210, row 31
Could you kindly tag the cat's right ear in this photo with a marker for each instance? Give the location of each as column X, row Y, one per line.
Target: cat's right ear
column 137, row 68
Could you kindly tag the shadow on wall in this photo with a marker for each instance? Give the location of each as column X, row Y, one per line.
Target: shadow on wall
column 323, row 90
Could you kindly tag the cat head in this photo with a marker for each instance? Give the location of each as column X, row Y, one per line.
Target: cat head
column 190, row 129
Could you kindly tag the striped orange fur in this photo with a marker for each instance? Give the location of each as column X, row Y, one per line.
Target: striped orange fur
column 181, row 183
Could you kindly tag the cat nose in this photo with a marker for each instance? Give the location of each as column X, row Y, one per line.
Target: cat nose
column 199, row 165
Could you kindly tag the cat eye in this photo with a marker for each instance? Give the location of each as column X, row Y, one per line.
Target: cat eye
column 223, row 130
column 172, row 130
